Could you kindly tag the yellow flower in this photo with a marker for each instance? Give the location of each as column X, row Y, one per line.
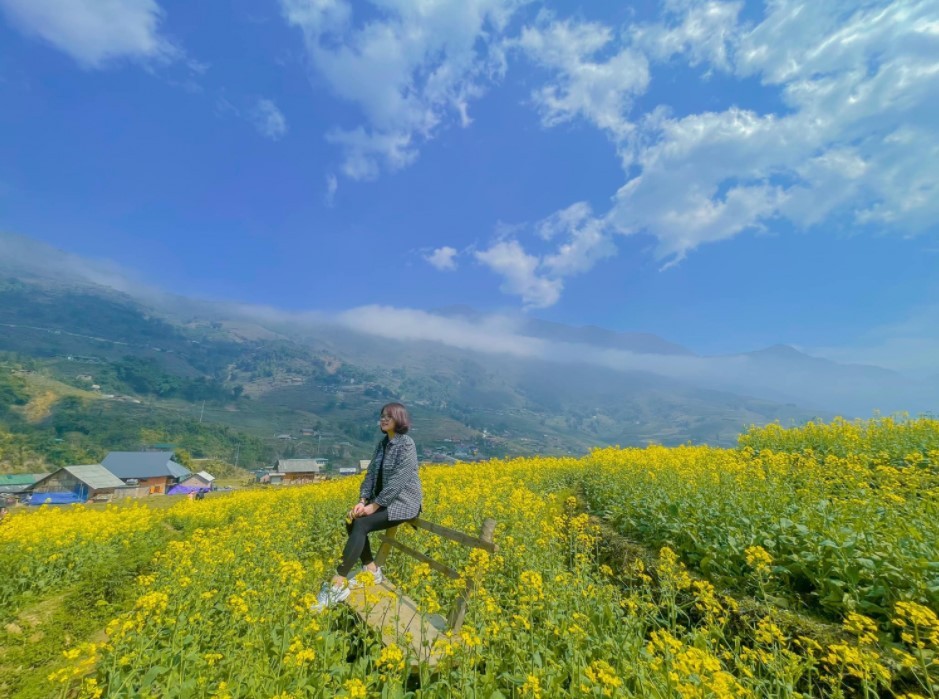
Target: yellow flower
column 768, row 633
column 922, row 620
column 90, row 689
column 758, row 558
column 672, row 571
column 602, row 674
column 391, row 658
column 860, row 663
column 861, row 626
column 531, row 687
column 355, row 688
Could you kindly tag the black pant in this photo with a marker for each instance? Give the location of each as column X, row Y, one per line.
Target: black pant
column 357, row 545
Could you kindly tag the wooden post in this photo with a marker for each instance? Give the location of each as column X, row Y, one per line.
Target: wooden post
column 385, row 546
column 455, row 622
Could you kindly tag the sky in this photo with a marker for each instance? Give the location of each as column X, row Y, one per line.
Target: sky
column 728, row 175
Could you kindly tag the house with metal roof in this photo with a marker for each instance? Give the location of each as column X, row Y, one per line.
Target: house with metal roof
column 152, row 472
column 15, row 483
column 76, row 484
column 202, row 479
column 299, row 470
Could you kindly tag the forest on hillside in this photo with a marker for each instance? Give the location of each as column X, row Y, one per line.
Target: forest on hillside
column 43, row 429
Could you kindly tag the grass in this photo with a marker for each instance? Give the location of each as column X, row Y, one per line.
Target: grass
column 32, row 645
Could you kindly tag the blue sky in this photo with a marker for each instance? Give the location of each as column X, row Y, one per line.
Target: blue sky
column 727, row 175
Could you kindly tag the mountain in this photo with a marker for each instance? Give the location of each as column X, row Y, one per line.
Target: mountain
column 479, row 384
column 317, row 389
column 784, row 373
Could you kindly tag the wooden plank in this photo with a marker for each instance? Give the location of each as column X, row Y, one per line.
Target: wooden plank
column 414, row 553
column 454, row 535
column 385, row 546
column 395, row 616
column 455, row 620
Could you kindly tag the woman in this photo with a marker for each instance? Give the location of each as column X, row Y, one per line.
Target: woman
column 390, row 494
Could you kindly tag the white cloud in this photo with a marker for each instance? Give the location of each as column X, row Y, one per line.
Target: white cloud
column 704, row 31
column 490, row 335
column 587, row 243
column 443, row 258
column 784, row 378
column 411, row 70
column 538, row 280
column 856, row 141
column 519, row 271
column 599, row 91
column 562, row 221
column 861, row 83
column 366, row 151
column 332, row 186
column 22, row 257
column 268, row 120
column 677, row 196
column 95, row 32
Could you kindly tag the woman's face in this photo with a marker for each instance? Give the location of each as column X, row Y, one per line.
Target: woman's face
column 386, row 424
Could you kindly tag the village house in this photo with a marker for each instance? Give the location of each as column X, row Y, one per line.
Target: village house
column 202, row 479
column 197, row 483
column 298, row 471
column 349, row 470
column 14, row 486
column 270, row 477
column 151, row 472
column 16, row 483
column 77, row 484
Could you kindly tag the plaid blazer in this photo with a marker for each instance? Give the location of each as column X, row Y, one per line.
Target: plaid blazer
column 401, row 487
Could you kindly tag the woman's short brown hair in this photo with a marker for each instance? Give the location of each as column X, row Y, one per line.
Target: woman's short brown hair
column 398, row 413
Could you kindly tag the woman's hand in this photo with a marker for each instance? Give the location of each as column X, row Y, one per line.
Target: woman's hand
column 358, row 510
column 370, row 509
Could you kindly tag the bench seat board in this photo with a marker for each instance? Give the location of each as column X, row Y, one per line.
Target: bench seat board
column 395, row 615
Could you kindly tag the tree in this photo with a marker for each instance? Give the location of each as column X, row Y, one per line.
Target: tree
column 183, row 457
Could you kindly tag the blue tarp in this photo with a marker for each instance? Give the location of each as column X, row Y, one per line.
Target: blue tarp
column 183, row 489
column 55, row 498
column 187, row 490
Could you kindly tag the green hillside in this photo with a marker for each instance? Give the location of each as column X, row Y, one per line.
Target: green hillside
column 99, row 370
column 46, row 423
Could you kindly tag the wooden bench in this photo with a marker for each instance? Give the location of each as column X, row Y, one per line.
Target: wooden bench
column 397, row 617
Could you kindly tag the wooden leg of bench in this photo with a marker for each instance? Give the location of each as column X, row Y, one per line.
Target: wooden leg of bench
column 455, row 621
column 385, row 546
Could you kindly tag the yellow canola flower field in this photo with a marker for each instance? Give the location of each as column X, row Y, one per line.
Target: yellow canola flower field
column 844, row 533
column 45, row 550
column 223, row 608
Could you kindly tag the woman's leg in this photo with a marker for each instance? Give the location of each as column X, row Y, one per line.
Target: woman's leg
column 357, row 545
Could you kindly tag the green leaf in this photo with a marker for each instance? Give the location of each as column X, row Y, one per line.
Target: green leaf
column 151, row 675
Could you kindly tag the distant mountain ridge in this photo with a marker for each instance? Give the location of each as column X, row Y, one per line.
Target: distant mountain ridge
column 542, row 386
column 334, row 381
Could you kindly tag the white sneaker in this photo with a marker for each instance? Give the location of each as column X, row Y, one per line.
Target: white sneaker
column 377, row 575
column 329, row 596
